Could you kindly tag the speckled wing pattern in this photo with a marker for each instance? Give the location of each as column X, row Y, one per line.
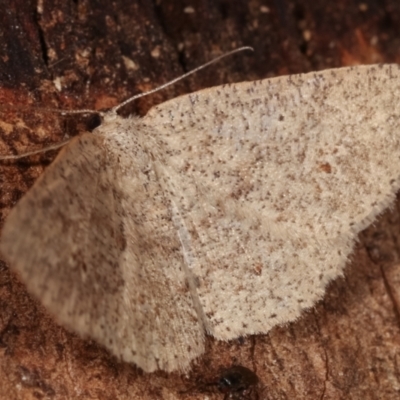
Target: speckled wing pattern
column 225, row 211
column 273, row 180
column 80, row 241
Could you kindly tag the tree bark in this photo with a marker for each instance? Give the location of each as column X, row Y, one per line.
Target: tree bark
column 94, row 54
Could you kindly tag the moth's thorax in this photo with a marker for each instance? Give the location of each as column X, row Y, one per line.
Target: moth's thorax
column 115, row 125
column 128, row 140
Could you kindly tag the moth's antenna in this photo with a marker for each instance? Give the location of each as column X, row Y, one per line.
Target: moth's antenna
column 184, row 76
column 52, row 110
column 124, row 103
column 157, row 89
column 32, row 153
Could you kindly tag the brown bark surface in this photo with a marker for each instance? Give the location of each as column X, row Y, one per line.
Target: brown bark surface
column 95, row 53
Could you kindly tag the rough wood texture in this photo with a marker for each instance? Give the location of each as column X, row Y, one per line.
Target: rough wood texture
column 92, row 54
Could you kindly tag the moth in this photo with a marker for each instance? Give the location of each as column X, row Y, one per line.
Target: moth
column 223, row 212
